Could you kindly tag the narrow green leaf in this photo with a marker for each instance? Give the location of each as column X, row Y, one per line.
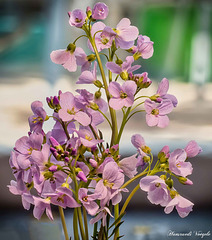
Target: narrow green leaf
column 116, row 229
column 117, row 220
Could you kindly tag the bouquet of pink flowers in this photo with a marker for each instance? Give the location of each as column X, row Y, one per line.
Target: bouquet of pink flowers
column 72, row 166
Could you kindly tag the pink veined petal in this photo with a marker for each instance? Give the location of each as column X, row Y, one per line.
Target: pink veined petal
column 80, row 56
column 110, row 171
column 59, row 56
column 129, row 87
column 122, row 43
column 145, row 182
column 124, row 23
column 137, row 140
column 66, row 100
column 148, row 51
column 163, row 87
column 170, row 206
column 65, row 116
column 71, row 64
column 113, row 67
column 127, row 63
column 185, row 169
column 115, row 89
column 98, row 26
column 82, row 118
column 86, row 77
column 128, row 102
column 97, row 218
column 149, row 106
column 35, row 105
column 92, row 208
column 101, row 190
column 116, row 103
column 165, row 107
column 184, row 203
column 163, row 121
column 192, row 149
column 129, row 34
column 151, row 120
column 134, row 68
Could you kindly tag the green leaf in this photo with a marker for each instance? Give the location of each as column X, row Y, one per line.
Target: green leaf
column 116, row 229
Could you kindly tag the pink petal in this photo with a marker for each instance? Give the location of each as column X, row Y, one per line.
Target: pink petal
column 151, row 120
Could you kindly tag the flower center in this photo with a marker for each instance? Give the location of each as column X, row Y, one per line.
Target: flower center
column 37, row 119
column 157, row 185
column 88, row 138
column 104, row 40
column 85, row 199
column 155, row 111
column 71, row 111
column 123, row 95
column 107, row 184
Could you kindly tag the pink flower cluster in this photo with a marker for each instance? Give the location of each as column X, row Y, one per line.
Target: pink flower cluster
column 72, row 165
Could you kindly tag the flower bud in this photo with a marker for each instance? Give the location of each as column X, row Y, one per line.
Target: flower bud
column 93, row 163
column 185, row 181
column 56, row 100
column 89, row 12
column 82, row 176
column 100, row 11
column 91, row 57
column 169, row 182
column 119, row 61
column 146, row 159
column 124, row 75
column 98, row 94
column 66, row 185
column 146, row 149
column 53, row 168
column 97, row 83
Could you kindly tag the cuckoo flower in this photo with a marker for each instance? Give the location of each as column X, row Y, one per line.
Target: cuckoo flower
column 25, row 146
column 69, row 110
column 122, row 96
column 77, row 18
column 125, row 69
column 183, row 206
column 36, row 120
column 156, row 113
column 156, row 189
column 88, row 77
column 88, row 201
column 178, row 165
column 161, row 93
column 100, row 11
column 142, row 80
column 83, row 60
column 192, row 149
column 66, row 57
column 41, row 205
column 144, row 47
column 112, row 178
column 63, row 197
column 87, row 138
column 125, row 34
column 128, row 166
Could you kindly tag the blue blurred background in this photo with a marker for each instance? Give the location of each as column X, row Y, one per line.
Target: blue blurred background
column 182, row 35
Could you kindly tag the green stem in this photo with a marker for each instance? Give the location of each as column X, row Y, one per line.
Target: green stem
column 105, row 118
column 95, row 230
column 79, row 214
column 85, row 223
column 123, row 124
column 63, row 223
column 75, row 219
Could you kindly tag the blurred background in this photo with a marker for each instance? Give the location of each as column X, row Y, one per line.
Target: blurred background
column 182, row 35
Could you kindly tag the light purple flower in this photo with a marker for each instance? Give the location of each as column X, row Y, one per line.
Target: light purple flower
column 69, row 110
column 87, row 138
column 192, row 149
column 144, row 47
column 36, row 120
column 116, row 195
column 128, row 165
column 88, row 201
column 183, row 206
column 100, row 11
column 77, row 18
column 156, row 189
column 26, row 197
column 40, row 206
column 25, row 146
column 112, row 178
column 161, row 93
column 125, row 69
column 102, row 214
column 125, row 34
column 156, row 113
column 122, row 96
column 177, row 163
column 66, row 57
column 88, row 77
column 82, row 60
column 63, row 197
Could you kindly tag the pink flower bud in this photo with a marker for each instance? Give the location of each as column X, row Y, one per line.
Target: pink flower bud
column 82, row 176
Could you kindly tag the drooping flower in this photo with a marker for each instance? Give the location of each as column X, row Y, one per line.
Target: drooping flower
column 100, row 11
column 88, row 201
column 178, row 164
column 156, row 113
column 128, row 166
column 77, row 18
column 122, row 96
column 69, row 110
column 88, row 77
column 83, row 60
column 183, row 206
column 192, row 149
column 125, row 69
column 102, row 214
column 66, row 57
column 36, row 120
column 156, row 189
